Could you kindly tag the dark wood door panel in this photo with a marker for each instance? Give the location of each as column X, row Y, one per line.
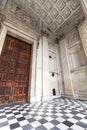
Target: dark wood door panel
column 14, row 70
column 3, row 76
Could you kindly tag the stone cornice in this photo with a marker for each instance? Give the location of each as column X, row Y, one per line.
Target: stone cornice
column 10, row 19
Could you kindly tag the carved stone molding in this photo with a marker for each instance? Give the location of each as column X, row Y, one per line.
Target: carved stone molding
column 2, row 18
column 73, row 37
column 61, row 37
column 51, row 11
column 27, row 17
column 44, row 33
column 2, row 4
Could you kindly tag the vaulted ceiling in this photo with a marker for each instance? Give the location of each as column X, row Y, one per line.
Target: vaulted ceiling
column 53, row 14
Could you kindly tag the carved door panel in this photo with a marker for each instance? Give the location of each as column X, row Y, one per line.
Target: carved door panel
column 14, row 70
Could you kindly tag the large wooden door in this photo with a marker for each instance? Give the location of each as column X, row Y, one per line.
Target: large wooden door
column 14, row 70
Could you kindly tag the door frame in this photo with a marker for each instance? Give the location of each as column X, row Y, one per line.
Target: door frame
column 28, row 37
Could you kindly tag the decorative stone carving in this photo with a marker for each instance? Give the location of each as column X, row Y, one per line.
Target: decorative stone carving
column 66, row 12
column 42, row 1
column 36, row 7
column 54, row 1
column 59, row 10
column 48, row 6
column 59, row 20
column 73, row 37
column 2, row 4
column 54, row 13
column 75, row 50
column 26, row 17
column 48, row 20
column 54, row 26
column 74, row 4
column 43, row 14
column 2, row 18
column 11, row 6
column 61, row 4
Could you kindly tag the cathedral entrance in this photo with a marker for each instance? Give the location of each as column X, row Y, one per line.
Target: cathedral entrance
column 14, row 70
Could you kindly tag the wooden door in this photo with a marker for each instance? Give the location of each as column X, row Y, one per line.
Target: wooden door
column 14, row 70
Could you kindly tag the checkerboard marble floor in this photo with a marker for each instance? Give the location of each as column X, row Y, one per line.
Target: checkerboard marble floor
column 56, row 114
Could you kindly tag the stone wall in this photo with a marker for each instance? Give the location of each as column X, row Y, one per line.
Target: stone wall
column 74, row 65
column 83, row 34
column 54, row 69
column 66, row 76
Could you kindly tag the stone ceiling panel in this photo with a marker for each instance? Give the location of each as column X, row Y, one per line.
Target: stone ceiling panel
column 53, row 26
column 36, row 7
column 66, row 12
column 74, row 4
column 48, row 6
column 54, row 1
column 48, row 20
column 59, row 20
column 61, row 4
column 42, row 2
column 53, row 13
column 43, row 14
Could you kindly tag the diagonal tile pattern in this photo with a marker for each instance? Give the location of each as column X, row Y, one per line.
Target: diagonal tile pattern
column 56, row 114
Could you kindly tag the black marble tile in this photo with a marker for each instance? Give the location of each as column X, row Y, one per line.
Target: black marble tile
column 31, row 120
column 27, row 127
column 55, row 128
column 4, row 124
column 81, row 124
column 43, row 121
column 41, row 128
column 15, row 125
column 68, row 123
column 55, row 122
column 21, row 119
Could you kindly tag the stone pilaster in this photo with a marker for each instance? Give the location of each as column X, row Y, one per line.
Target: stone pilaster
column 42, row 89
column 66, row 76
column 84, row 6
column 45, row 89
column 3, row 32
column 83, row 35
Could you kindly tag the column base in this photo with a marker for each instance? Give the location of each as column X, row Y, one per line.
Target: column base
column 37, row 99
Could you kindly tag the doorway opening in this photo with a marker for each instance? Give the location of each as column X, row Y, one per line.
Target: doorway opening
column 14, row 70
